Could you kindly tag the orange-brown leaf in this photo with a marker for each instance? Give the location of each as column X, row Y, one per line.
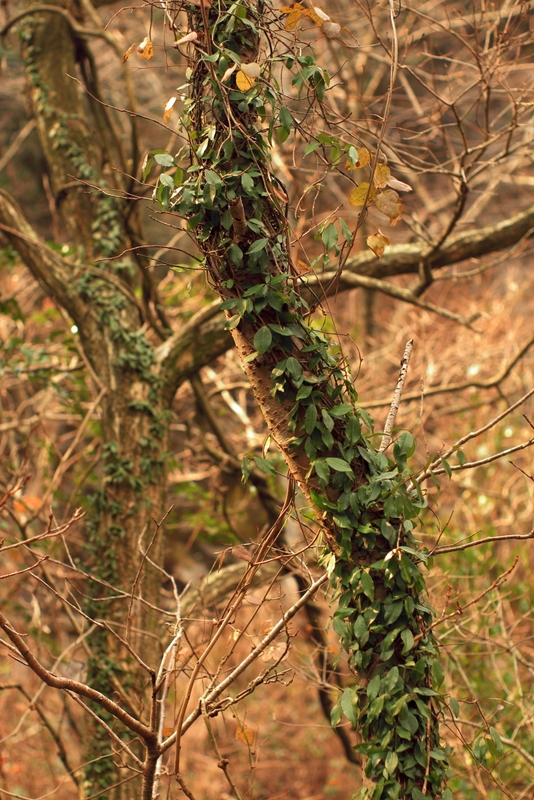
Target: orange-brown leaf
column 364, row 158
column 168, row 109
column 360, row 193
column 146, row 49
column 241, row 552
column 294, row 13
column 129, row 52
column 245, row 735
column 378, row 243
column 388, row 202
column 316, row 14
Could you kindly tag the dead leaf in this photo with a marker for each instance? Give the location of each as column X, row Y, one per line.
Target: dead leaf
column 317, row 15
column 378, row 243
column 364, row 158
column 331, row 29
column 245, row 735
column 146, row 49
column 381, row 176
column 239, row 551
column 230, row 71
column 360, row 193
column 253, row 600
column 400, row 186
column 192, row 36
column 168, row 109
column 388, row 202
column 27, row 503
column 302, row 267
column 252, row 70
column 274, row 653
column 167, row 732
column 294, row 13
column 243, row 82
column 129, row 52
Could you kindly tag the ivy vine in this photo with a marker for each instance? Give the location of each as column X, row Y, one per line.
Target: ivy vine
column 367, row 503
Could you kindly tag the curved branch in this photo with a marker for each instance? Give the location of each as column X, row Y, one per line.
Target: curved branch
column 71, row 685
column 45, row 265
column 404, row 259
column 79, row 30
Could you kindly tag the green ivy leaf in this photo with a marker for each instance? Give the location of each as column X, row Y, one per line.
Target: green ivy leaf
column 340, row 410
column 263, row 339
column 368, row 586
column 310, row 418
column 353, row 430
column 233, row 322
column 327, row 420
column 407, row 638
column 164, row 159
column 339, row 465
column 257, row 246
column 285, row 119
column 213, row 179
column 348, row 706
column 329, row 237
column 446, row 466
column 264, row 465
column 247, row 182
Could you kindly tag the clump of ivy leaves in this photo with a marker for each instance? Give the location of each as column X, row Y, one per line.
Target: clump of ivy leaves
column 367, row 502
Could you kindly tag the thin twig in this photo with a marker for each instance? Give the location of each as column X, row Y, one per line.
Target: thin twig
column 454, row 547
column 223, row 762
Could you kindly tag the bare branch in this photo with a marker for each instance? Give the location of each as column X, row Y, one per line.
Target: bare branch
column 392, row 416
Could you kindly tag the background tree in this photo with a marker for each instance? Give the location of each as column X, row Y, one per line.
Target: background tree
column 448, row 109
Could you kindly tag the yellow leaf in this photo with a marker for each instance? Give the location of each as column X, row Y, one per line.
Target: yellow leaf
column 245, row 735
column 378, row 243
column 168, row 109
column 364, row 158
column 357, row 198
column 388, row 202
column 146, row 49
column 294, row 13
column 243, row 81
column 129, row 52
column 302, row 267
column 381, row 176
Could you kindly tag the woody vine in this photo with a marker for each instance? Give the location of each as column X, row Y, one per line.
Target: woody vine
column 236, row 209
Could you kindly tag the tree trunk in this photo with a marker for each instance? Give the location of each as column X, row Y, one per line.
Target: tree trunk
column 233, row 202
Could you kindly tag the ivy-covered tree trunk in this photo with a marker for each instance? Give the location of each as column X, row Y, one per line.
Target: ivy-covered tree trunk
column 79, row 144
column 236, row 208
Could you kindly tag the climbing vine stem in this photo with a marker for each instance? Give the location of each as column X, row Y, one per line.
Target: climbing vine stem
column 236, row 211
